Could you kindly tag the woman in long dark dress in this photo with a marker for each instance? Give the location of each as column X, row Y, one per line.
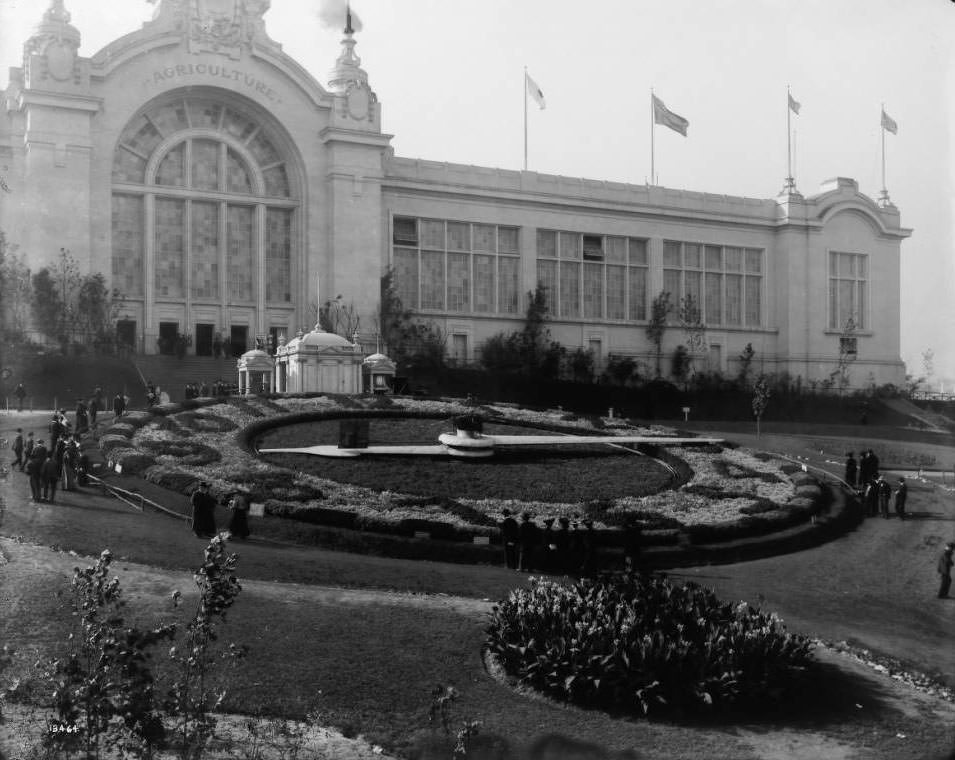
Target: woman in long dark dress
column 239, row 524
column 203, row 512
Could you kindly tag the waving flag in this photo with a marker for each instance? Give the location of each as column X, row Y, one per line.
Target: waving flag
column 534, row 91
column 666, row 117
column 889, row 124
column 794, row 105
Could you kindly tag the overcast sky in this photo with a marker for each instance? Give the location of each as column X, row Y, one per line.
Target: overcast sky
column 449, row 76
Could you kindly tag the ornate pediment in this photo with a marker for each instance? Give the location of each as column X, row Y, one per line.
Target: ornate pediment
column 225, row 27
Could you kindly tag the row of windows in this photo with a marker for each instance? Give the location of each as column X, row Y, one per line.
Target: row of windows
column 188, row 238
column 593, row 276
column 456, row 266
column 724, row 282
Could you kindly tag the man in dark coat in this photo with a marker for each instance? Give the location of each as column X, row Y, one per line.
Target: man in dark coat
column 20, row 393
column 119, row 405
column 945, row 570
column 50, row 474
column 528, row 541
column 852, row 470
column 901, row 494
column 885, row 493
column 18, row 450
column 510, row 537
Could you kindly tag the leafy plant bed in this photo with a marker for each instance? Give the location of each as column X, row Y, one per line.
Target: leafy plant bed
column 640, row 645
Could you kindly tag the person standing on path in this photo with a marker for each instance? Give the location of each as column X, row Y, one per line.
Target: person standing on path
column 20, row 393
column 50, row 474
column 510, row 535
column 239, row 524
column 901, row 494
column 203, row 512
column 18, row 450
column 852, row 470
column 885, row 493
column 945, row 570
column 119, row 405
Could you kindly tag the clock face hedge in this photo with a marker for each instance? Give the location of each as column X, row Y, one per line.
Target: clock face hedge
column 641, row 645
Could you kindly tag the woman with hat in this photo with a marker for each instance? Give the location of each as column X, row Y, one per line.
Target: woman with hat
column 239, row 523
column 203, row 512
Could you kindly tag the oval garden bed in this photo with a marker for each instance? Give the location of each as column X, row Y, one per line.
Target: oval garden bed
column 684, row 494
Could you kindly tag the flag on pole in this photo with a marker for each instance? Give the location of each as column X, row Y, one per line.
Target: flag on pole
column 534, row 91
column 666, row 117
column 794, row 105
column 888, row 123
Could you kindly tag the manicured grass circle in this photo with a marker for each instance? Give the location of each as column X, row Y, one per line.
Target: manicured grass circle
column 561, row 474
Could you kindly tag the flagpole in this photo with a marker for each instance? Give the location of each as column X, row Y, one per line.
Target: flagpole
column 525, row 118
column 653, row 179
column 790, row 184
column 882, row 130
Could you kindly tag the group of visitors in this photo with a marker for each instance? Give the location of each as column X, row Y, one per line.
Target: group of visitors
column 864, row 476
column 570, row 548
column 62, row 464
column 204, row 513
column 204, row 390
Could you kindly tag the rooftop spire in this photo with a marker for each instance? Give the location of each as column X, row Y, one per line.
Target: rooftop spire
column 348, row 65
column 348, row 27
column 57, row 12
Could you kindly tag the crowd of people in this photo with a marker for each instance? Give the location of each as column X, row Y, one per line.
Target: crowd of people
column 205, row 390
column 61, row 463
column 562, row 546
column 863, row 475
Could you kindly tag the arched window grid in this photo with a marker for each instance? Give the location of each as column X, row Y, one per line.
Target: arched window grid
column 223, row 237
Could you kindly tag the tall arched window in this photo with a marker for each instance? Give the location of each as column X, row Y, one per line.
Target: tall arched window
column 202, row 200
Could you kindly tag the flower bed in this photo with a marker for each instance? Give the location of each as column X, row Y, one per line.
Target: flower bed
column 709, row 493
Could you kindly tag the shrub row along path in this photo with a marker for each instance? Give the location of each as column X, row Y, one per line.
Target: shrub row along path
column 875, row 587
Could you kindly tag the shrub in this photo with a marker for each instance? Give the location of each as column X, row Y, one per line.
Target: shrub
column 641, row 645
column 180, row 482
column 132, row 461
column 190, row 452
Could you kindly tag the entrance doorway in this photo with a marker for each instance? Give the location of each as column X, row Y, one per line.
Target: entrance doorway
column 168, row 334
column 238, row 338
column 126, row 333
column 204, row 333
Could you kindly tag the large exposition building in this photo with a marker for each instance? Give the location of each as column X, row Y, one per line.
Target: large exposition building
column 223, row 189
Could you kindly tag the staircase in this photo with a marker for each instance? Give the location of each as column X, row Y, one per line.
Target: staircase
column 171, row 375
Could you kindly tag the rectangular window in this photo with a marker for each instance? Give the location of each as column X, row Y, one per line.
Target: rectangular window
column 406, row 276
column 847, row 290
column 432, row 280
column 432, row 234
column 593, row 248
column 848, row 346
column 509, row 284
column 128, row 244
column 170, row 247
column 459, row 282
column 547, row 279
column 485, row 238
column 459, row 349
column 713, row 299
column 753, row 293
column 508, row 240
column 459, row 236
column 671, row 255
column 205, row 250
column 734, row 299
column 616, row 252
column 546, row 244
column 569, row 299
column 483, row 283
column 569, row 245
column 405, row 231
column 278, row 255
column 240, row 246
column 593, row 290
column 617, row 292
column 672, row 284
column 637, row 293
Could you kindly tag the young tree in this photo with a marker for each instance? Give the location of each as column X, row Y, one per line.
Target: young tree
column 690, row 316
column 54, row 297
column 15, row 292
column 761, row 394
column 847, row 352
column 408, row 341
column 657, row 324
column 97, row 308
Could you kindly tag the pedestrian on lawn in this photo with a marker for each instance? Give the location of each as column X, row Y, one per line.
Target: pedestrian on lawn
column 50, row 474
column 239, row 523
column 93, row 407
column 865, row 469
column 20, row 393
column 945, row 570
column 885, row 493
column 203, row 512
column 27, row 450
column 528, row 542
column 510, row 537
column 18, row 450
column 871, row 499
column 119, row 405
column 852, row 470
column 901, row 494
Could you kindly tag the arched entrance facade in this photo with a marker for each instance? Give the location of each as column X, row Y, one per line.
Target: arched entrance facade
column 206, row 209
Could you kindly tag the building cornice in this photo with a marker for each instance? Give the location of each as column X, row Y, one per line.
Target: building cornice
column 63, row 100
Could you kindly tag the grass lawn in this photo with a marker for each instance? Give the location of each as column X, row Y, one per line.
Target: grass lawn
column 540, row 473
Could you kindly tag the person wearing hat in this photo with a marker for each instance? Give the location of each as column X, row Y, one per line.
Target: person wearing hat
column 945, row 570
column 203, row 512
column 901, row 494
column 885, row 493
column 528, row 541
column 35, row 470
column 239, row 523
column 510, row 536
column 852, row 470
